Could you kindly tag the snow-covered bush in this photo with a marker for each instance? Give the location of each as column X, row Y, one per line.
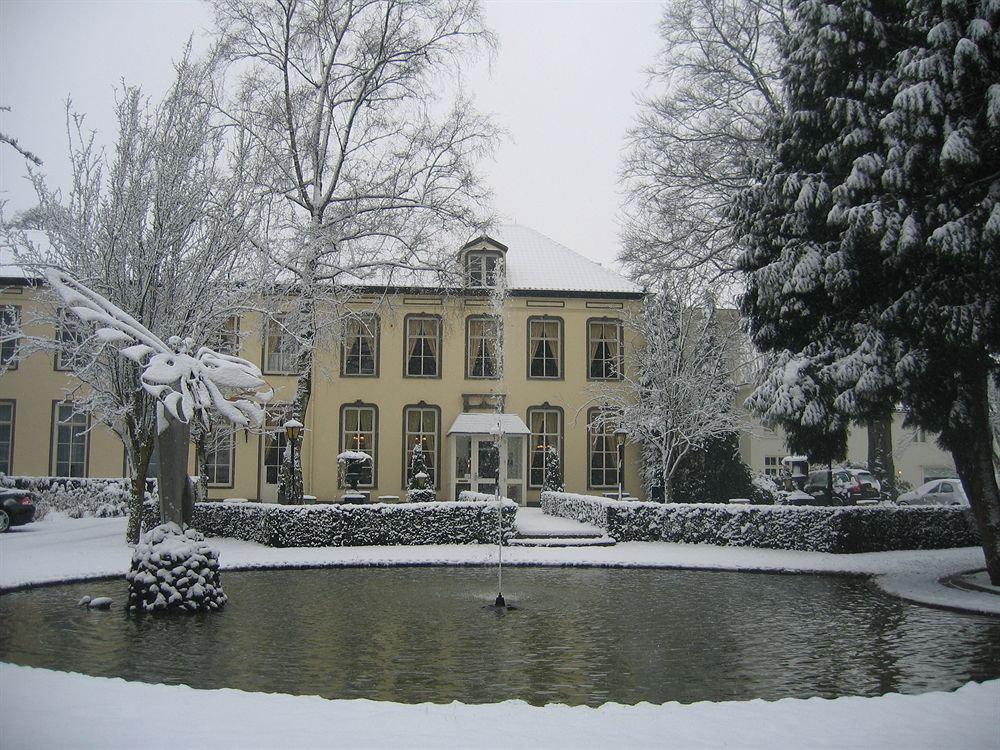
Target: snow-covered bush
column 464, row 522
column 417, row 495
column 764, row 490
column 811, row 528
column 174, row 570
column 77, row 498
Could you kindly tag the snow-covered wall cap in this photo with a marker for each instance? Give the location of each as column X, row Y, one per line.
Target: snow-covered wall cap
column 487, row 424
column 353, row 456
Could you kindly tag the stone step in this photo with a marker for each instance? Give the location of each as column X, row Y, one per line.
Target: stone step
column 563, row 533
column 561, row 541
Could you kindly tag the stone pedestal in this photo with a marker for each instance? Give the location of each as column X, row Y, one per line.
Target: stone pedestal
column 175, row 486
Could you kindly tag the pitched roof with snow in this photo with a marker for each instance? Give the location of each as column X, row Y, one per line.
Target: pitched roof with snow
column 538, row 263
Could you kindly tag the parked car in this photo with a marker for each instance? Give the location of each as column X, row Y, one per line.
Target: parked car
column 936, row 492
column 17, row 507
column 850, row 486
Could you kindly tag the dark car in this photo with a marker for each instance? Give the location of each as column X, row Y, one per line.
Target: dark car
column 17, row 507
column 849, row 486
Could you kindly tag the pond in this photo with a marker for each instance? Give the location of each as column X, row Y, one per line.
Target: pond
column 579, row 636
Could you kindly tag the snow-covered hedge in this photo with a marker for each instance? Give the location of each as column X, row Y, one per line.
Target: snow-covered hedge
column 77, row 497
column 840, row 530
column 174, row 570
column 463, row 522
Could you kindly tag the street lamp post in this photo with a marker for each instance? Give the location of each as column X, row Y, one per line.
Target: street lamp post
column 293, row 428
column 620, row 436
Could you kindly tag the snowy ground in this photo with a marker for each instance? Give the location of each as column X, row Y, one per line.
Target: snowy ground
column 66, row 549
column 102, row 712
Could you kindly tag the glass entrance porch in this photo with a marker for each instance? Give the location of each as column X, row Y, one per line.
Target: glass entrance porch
column 486, row 449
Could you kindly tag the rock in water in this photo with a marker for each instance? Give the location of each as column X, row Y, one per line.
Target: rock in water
column 83, row 602
column 101, row 602
column 174, row 569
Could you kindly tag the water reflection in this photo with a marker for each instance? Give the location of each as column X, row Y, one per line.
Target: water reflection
column 579, row 636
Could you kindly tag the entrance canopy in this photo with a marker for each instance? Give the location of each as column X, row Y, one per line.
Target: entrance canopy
column 486, row 424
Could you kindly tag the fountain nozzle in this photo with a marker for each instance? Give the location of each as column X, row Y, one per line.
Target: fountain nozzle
column 500, row 602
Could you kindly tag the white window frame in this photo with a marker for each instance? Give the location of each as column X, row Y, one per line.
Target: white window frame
column 542, row 440
column 69, row 428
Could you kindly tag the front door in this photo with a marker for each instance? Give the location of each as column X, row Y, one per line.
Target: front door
column 477, row 464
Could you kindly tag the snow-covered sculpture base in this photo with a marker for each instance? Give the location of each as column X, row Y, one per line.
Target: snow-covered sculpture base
column 174, row 570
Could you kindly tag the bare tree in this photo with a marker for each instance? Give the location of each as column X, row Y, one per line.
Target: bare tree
column 160, row 229
column 13, row 143
column 718, row 85
column 371, row 168
column 677, row 391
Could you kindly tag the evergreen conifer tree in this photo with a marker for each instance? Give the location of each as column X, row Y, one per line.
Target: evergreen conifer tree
column 873, row 237
column 418, row 464
column 553, row 481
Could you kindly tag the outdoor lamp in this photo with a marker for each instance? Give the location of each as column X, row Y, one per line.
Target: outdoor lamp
column 292, row 429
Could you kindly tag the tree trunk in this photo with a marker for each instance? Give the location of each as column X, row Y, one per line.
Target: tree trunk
column 143, row 452
column 290, row 484
column 971, row 446
column 880, row 462
column 200, row 451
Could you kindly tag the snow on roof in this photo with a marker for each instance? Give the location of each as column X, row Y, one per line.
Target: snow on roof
column 539, row 263
column 534, row 262
column 10, row 268
column 486, row 424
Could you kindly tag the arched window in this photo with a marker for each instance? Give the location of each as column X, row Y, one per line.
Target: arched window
column 545, row 423
column 421, row 424
column 602, row 453
column 359, row 432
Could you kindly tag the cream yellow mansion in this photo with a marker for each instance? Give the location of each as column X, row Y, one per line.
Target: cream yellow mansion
column 419, row 369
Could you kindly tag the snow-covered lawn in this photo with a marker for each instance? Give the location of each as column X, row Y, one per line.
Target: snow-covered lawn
column 81, row 711
column 91, row 711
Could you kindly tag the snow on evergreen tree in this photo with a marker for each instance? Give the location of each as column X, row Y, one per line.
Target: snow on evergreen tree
column 809, row 281
column 418, row 465
column 418, row 468
column 873, row 237
column 940, row 239
column 552, row 480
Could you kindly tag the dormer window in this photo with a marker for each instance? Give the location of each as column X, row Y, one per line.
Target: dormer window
column 483, row 268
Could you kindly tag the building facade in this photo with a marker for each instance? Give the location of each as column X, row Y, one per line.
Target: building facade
column 414, row 366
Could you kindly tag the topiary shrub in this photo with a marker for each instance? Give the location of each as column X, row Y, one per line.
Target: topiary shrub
column 174, row 570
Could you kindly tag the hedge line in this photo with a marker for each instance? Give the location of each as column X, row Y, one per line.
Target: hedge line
column 349, row 525
column 816, row 529
column 77, row 497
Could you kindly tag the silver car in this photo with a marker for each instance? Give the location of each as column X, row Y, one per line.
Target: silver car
column 936, row 492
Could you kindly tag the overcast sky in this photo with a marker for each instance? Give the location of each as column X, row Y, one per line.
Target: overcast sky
column 563, row 84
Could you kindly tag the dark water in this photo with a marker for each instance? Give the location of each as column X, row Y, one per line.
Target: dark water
column 580, row 636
